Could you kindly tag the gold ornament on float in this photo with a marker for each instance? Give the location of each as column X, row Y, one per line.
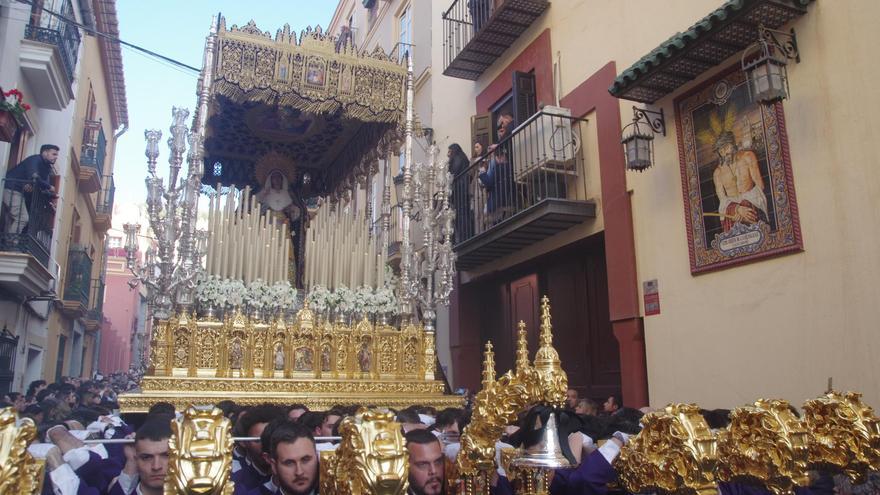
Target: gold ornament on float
column 371, row 458
column 764, row 444
column 200, row 454
column 20, row 473
column 675, row 452
column 500, row 401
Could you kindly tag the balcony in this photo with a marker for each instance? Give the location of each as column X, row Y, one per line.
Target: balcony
column 77, row 286
column 104, row 204
column 532, row 187
column 26, row 220
column 48, row 56
column 477, row 32
column 94, row 149
column 394, row 232
column 95, row 314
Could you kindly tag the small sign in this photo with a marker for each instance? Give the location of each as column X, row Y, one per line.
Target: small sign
column 652, row 297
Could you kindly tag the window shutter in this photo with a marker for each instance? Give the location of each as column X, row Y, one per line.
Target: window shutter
column 524, row 98
column 481, row 131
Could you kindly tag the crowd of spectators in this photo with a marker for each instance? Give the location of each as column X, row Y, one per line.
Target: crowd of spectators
column 277, row 451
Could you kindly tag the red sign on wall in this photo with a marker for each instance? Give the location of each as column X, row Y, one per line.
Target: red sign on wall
column 652, row 297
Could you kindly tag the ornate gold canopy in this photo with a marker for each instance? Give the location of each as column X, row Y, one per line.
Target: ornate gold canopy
column 314, row 99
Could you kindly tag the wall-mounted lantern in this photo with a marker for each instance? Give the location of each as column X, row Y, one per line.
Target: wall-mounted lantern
column 638, row 138
column 765, row 64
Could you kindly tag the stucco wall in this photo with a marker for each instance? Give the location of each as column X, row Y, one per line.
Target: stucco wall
column 777, row 327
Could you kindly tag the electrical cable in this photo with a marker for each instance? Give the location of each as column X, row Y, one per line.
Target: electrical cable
column 112, row 38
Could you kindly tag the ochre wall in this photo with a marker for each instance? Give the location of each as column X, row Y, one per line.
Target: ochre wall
column 778, row 327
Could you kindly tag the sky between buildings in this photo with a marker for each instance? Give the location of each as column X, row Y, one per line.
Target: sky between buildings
column 177, row 29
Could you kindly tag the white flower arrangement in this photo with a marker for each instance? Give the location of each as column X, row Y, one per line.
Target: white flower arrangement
column 384, row 301
column 319, row 298
column 258, row 296
column 283, row 296
column 236, row 293
column 343, row 298
column 211, row 291
column 363, row 299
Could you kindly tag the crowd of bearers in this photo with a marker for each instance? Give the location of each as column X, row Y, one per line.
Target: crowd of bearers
column 280, row 452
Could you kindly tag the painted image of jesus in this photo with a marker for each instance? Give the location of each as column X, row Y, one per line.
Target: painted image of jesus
column 738, row 185
column 732, row 165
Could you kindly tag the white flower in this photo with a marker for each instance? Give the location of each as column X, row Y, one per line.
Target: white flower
column 319, row 298
column 236, row 293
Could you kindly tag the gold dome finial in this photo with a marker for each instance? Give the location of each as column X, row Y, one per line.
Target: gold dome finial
column 547, row 361
column 522, row 349
column 488, row 366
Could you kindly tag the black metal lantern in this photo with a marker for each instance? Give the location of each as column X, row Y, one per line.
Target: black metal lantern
column 766, row 65
column 638, row 138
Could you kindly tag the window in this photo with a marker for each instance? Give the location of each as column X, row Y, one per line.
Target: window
column 115, row 242
column 404, row 31
column 218, row 169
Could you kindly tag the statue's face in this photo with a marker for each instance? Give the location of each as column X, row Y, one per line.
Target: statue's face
column 276, row 181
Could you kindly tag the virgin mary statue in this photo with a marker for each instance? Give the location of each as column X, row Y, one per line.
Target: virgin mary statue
column 277, row 199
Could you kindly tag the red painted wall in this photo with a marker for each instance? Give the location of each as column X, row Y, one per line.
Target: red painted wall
column 120, row 312
column 591, row 95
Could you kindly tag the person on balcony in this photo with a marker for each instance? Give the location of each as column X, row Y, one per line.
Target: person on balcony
column 458, row 164
column 19, row 187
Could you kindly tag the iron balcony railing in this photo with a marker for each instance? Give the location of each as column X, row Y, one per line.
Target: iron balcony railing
column 394, row 233
column 26, row 218
column 477, row 32
column 461, row 22
column 94, row 147
column 541, row 159
column 106, row 195
column 52, row 30
column 77, row 285
column 96, row 297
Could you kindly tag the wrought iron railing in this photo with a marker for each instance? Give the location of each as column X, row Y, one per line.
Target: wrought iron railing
column 96, row 298
column 94, row 147
column 26, row 218
column 461, row 22
column 394, row 233
column 50, row 29
column 541, row 159
column 77, row 285
column 106, row 195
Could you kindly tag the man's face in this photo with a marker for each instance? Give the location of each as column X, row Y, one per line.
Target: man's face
column 295, row 466
column 610, row 405
column 726, row 151
column 328, row 425
column 50, row 156
column 451, row 429
column 426, row 468
column 572, row 397
column 71, row 399
column 254, row 449
column 502, row 129
column 294, row 414
column 151, row 458
column 19, row 403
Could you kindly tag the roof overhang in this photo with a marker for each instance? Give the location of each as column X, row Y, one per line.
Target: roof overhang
column 712, row 40
column 111, row 55
column 308, row 103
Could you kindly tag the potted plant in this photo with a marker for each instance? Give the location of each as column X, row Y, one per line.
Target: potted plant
column 12, row 111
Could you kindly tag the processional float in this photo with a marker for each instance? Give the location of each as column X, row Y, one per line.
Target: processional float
column 766, row 444
column 286, row 130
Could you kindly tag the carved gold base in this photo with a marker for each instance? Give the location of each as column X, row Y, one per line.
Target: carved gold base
column 318, row 394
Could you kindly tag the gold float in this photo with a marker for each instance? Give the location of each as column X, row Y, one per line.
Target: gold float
column 317, row 363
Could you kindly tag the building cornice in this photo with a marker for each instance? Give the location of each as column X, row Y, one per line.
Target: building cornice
column 111, row 57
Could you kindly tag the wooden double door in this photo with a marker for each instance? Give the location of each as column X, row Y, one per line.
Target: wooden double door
column 575, row 280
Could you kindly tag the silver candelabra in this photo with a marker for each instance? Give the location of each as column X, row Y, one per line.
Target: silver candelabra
column 427, row 270
column 171, row 265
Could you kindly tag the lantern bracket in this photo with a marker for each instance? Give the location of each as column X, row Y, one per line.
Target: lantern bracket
column 656, row 120
column 786, row 42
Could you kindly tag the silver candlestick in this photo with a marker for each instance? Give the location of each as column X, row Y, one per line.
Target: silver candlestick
column 427, row 270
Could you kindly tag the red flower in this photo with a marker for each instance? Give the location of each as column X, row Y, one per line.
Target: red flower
column 26, row 107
